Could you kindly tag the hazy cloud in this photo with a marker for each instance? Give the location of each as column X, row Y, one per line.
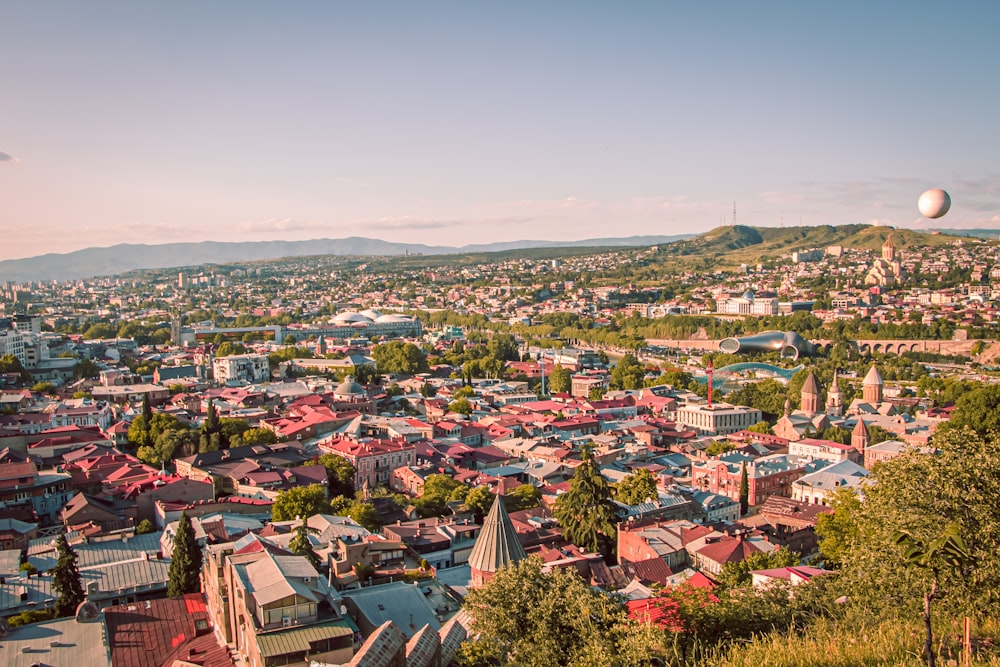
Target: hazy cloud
column 6, row 158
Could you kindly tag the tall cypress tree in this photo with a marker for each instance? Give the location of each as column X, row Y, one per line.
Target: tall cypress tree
column 586, row 511
column 147, row 410
column 744, row 490
column 185, row 561
column 66, row 579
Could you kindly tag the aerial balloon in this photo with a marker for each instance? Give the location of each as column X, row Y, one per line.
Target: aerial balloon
column 934, row 203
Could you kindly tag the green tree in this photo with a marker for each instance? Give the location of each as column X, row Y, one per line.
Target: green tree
column 838, row 530
column 301, row 545
column 586, row 511
column 639, row 487
column 146, row 411
column 503, row 347
column 437, row 491
column 560, row 379
column 461, row 406
column 145, row 526
column 399, row 357
column 628, row 373
column 738, row 574
column 945, row 552
column 744, row 490
column 427, row 390
column 526, row 617
column 66, row 579
column 478, row 501
column 340, row 475
column 184, row 575
column 919, row 492
column 761, row 427
column 300, row 501
column 11, row 364
column 86, row 369
column 43, row 388
column 978, row 409
column 524, row 497
column 254, row 436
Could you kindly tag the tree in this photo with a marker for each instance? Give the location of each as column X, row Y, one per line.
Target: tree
column 586, row 511
column 184, row 575
column 978, row 409
column 461, row 406
column 919, row 492
column 744, row 490
column 524, row 497
column 66, row 579
column 399, row 357
column 762, row 427
column 738, row 573
column 11, row 364
column 526, row 617
column 437, row 491
column 427, row 390
column 838, row 530
column 300, row 501
column 639, row 487
column 146, row 412
column 503, row 347
column 43, row 388
column 478, row 501
column 560, row 379
column 301, row 545
column 628, row 374
column 145, row 526
column 946, row 551
column 340, row 475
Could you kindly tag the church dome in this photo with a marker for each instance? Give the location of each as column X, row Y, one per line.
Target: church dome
column 349, row 389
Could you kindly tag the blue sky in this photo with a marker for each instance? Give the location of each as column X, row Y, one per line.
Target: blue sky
column 469, row 122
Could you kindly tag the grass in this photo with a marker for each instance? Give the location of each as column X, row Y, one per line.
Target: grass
column 837, row 644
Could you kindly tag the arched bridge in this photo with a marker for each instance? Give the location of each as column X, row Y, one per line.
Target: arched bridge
column 864, row 346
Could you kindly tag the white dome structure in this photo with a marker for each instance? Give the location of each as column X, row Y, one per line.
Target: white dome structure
column 349, row 317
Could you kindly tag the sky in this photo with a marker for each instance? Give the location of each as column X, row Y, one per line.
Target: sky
column 460, row 122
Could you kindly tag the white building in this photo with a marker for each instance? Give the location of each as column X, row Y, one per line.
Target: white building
column 12, row 342
column 818, row 487
column 241, row 368
column 718, row 418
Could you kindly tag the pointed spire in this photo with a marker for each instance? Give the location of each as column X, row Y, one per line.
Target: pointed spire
column 496, row 546
column 834, row 402
column 810, row 395
column 860, row 436
column 872, row 387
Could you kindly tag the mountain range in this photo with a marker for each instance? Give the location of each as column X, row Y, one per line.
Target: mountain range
column 128, row 256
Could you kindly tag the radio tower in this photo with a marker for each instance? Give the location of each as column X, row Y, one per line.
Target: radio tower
column 734, row 214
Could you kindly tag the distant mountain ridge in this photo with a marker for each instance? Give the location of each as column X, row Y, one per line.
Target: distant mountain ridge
column 130, row 256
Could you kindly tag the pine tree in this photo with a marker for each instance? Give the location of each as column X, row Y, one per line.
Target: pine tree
column 586, row 511
column 66, row 579
column 211, row 424
column 185, row 561
column 744, row 490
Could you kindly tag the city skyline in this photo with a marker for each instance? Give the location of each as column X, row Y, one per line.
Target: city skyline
column 452, row 124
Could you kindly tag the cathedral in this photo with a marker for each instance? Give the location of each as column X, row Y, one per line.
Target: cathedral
column 885, row 271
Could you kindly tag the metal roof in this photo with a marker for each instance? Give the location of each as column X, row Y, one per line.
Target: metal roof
column 297, row 640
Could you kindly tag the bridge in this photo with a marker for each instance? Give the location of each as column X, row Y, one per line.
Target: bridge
column 866, row 347
column 721, row 376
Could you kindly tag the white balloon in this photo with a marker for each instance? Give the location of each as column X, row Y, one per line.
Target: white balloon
column 934, row 203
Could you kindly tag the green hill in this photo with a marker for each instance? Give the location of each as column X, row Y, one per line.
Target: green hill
column 742, row 244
